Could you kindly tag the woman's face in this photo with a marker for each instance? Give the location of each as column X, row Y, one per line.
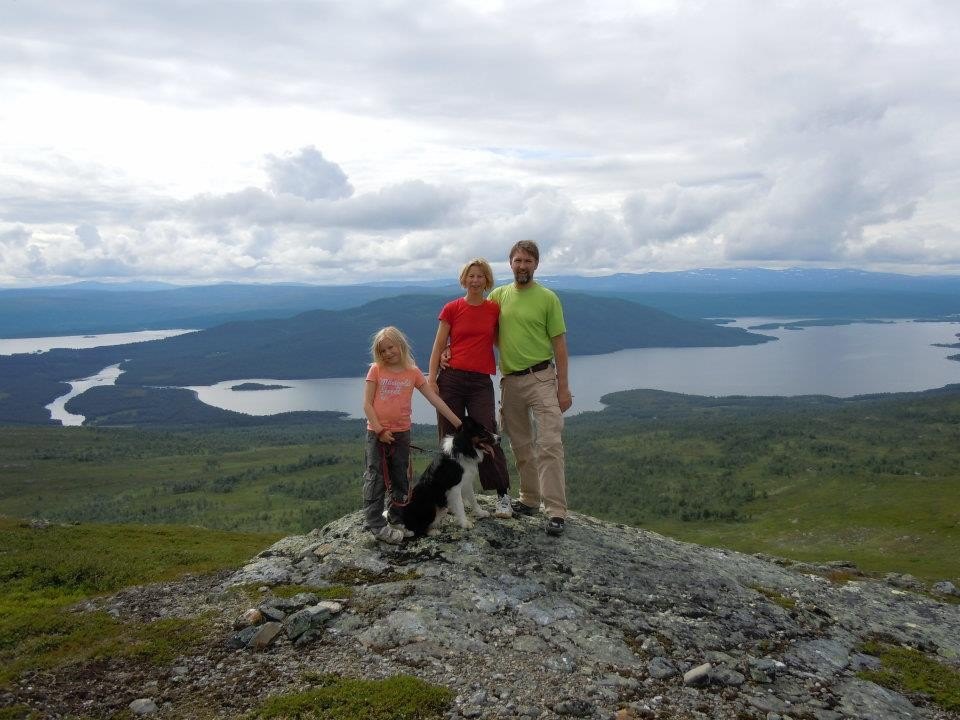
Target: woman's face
column 476, row 280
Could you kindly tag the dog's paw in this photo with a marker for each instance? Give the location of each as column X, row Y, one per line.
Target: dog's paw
column 433, row 532
column 480, row 513
column 466, row 524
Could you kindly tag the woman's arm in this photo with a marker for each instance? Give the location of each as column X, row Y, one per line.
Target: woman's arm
column 434, row 399
column 439, row 343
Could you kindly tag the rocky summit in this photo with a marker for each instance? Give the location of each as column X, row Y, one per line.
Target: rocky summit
column 607, row 621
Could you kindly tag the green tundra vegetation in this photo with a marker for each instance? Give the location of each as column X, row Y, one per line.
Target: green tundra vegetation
column 46, row 570
column 873, row 479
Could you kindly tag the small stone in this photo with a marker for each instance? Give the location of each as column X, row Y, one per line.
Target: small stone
column 660, row 669
column 272, row 613
column 265, row 635
column 242, row 638
column 560, row 664
column 700, row 675
column 904, row 580
column 859, row 661
column 574, row 707
column 726, row 676
column 478, row 698
column 945, row 587
column 143, row 706
column 250, row 617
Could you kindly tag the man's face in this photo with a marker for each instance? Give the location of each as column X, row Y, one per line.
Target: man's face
column 523, row 265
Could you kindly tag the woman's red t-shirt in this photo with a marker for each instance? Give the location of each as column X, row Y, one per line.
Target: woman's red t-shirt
column 472, row 332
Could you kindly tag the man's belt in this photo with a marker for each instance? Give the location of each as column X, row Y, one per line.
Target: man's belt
column 533, row 368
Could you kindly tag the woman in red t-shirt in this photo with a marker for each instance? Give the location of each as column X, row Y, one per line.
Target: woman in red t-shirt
column 470, row 324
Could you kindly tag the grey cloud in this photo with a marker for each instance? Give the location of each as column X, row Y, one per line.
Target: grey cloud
column 836, row 169
column 673, row 212
column 308, row 175
column 17, row 236
column 410, row 204
column 407, row 205
column 88, row 235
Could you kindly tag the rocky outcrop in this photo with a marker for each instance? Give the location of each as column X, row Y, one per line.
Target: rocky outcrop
column 607, row 621
column 612, row 619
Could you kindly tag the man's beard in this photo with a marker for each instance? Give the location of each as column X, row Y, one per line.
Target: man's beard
column 522, row 276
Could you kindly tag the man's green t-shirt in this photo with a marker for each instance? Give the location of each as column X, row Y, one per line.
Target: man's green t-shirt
column 529, row 319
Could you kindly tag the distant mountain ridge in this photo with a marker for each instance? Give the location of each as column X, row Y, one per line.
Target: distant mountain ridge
column 324, row 344
column 327, row 343
column 760, row 280
column 102, row 308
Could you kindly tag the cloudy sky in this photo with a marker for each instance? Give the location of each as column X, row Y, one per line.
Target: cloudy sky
column 335, row 142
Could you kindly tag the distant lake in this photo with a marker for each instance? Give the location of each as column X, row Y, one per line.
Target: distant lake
column 12, row 346
column 58, row 410
column 840, row 360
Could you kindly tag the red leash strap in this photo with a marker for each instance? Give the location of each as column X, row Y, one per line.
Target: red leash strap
column 388, row 483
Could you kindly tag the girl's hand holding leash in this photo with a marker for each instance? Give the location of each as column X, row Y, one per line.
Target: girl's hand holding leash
column 385, row 436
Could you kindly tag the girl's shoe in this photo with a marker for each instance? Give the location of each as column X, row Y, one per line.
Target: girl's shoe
column 502, row 509
column 389, row 535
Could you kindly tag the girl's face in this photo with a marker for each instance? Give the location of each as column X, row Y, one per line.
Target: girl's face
column 389, row 351
column 476, row 280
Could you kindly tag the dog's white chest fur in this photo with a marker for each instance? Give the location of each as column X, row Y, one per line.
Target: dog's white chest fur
column 462, row 495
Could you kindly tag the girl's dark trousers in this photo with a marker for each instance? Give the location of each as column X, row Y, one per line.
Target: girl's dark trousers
column 472, row 393
column 374, row 490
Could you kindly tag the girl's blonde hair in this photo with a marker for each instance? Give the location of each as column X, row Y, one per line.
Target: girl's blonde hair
column 484, row 268
column 397, row 338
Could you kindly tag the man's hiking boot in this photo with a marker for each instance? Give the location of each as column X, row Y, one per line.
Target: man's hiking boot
column 555, row 526
column 520, row 509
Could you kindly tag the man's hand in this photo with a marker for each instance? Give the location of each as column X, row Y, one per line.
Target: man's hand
column 565, row 399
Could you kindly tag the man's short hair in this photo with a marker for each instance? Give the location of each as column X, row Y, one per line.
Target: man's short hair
column 527, row 246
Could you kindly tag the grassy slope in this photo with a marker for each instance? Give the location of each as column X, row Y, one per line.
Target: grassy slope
column 44, row 571
column 875, row 480
column 261, row 479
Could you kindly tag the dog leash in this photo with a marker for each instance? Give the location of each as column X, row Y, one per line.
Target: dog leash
column 385, row 452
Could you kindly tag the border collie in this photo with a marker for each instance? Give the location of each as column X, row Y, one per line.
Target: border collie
column 448, row 483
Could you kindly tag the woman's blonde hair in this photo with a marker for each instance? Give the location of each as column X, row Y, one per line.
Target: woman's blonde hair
column 397, row 338
column 484, row 267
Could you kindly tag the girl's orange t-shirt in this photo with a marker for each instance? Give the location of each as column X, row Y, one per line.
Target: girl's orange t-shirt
column 393, row 398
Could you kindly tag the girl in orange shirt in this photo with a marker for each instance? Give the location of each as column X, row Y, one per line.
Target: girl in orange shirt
column 388, row 406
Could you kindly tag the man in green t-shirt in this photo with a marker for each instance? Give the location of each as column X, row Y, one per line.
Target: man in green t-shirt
column 534, row 391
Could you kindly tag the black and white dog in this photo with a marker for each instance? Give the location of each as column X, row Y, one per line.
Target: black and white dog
column 448, row 483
